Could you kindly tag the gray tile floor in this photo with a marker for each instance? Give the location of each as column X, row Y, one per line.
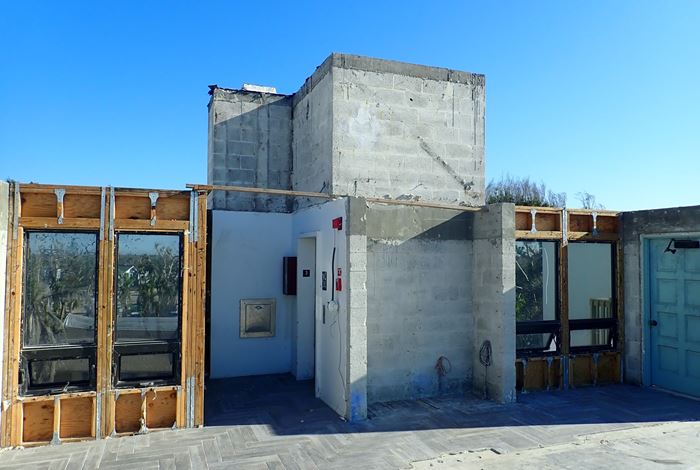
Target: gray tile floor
column 275, row 422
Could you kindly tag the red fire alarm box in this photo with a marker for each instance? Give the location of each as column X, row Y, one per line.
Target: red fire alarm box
column 339, row 284
column 338, row 223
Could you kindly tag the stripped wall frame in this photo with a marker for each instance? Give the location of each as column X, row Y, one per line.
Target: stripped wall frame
column 104, row 405
column 567, row 366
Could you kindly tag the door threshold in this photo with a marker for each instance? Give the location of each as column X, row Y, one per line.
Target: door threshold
column 673, row 392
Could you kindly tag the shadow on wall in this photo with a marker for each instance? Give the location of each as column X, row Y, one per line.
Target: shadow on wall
column 419, row 318
column 289, row 408
column 250, row 144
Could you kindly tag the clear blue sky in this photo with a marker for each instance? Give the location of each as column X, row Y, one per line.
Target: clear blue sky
column 598, row 96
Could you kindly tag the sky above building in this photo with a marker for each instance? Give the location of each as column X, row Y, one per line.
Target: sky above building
column 593, row 96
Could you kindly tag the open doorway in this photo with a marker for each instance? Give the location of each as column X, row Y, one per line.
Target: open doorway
column 304, row 360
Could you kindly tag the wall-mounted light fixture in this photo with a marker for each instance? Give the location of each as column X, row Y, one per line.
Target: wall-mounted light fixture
column 682, row 245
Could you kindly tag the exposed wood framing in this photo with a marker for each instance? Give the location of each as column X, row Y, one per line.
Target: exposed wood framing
column 564, row 226
column 285, row 192
column 105, row 411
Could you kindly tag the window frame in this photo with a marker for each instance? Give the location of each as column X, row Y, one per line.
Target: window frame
column 122, row 348
column 29, row 354
column 611, row 323
column 553, row 327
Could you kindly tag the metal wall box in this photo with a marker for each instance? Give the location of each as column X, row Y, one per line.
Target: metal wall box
column 257, row 318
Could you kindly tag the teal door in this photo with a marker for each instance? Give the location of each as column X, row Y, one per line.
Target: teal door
column 674, row 323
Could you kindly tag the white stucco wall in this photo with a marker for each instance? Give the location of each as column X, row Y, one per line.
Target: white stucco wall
column 246, row 262
column 247, row 252
column 331, row 336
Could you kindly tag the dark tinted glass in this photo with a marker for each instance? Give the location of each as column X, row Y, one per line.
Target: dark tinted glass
column 60, row 286
column 535, row 280
column 542, row 341
column 59, row 371
column 146, row 367
column 148, row 287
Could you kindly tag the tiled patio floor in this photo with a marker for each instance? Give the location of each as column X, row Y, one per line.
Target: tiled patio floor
column 275, row 422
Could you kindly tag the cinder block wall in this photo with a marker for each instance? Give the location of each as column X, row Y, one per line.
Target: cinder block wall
column 312, row 137
column 250, row 137
column 407, row 131
column 358, row 126
column 634, row 225
column 419, row 302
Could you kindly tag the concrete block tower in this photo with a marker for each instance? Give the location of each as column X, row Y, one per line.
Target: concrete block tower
column 358, row 126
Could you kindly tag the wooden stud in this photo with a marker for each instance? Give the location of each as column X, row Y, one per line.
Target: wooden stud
column 145, row 225
column 94, row 432
column 201, row 246
column 6, row 393
column 51, row 223
column 142, row 421
column 539, row 235
column 51, row 397
column 103, row 366
column 15, row 343
column 56, row 439
column 95, row 190
column 109, row 395
column 184, row 341
column 564, row 308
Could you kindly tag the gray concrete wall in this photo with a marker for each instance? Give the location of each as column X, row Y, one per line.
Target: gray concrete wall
column 635, row 225
column 493, row 291
column 419, row 300
column 4, row 226
column 312, row 137
column 356, row 288
column 407, row 131
column 250, row 136
column 358, row 126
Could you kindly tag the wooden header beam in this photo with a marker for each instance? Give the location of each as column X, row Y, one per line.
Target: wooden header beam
column 290, row 193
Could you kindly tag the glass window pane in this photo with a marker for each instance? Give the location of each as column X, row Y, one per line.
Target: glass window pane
column 542, row 341
column 146, row 367
column 597, row 337
column 148, row 287
column 58, row 372
column 60, row 285
column 590, row 281
column 535, row 280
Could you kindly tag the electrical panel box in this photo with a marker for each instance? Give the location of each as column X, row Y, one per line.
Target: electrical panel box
column 289, row 275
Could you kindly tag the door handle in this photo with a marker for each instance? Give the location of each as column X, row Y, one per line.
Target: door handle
column 653, row 322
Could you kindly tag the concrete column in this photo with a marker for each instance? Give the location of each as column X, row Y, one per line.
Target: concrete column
column 493, row 291
column 357, row 309
column 4, row 214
